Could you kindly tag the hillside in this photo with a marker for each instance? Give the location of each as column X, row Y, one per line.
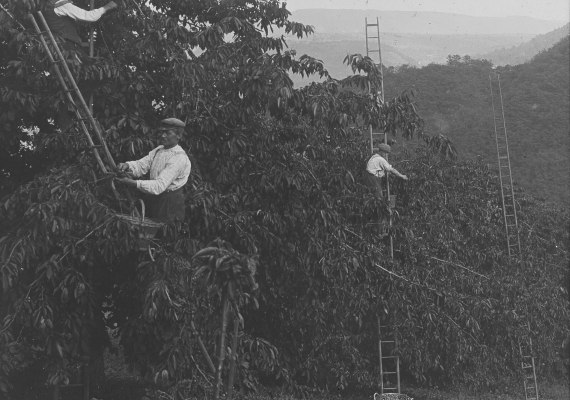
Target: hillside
column 397, row 48
column 525, row 51
column 433, row 23
column 454, row 100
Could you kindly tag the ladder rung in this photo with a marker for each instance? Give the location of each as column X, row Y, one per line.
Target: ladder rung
column 394, row 388
column 371, row 25
column 387, row 341
column 390, row 357
column 373, row 51
column 372, row 37
column 389, row 373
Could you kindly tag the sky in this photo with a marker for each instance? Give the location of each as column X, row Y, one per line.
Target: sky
column 556, row 10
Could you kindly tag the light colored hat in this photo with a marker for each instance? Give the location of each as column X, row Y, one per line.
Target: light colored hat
column 384, row 148
column 172, row 123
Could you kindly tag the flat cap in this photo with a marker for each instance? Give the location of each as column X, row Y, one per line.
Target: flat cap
column 172, row 123
column 384, row 147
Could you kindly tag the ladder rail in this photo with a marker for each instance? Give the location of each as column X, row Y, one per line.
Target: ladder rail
column 380, row 64
column 82, row 102
column 68, row 94
column 500, row 169
column 379, row 51
column 511, row 220
column 380, row 355
column 504, row 162
column 509, row 164
column 524, row 365
column 384, row 356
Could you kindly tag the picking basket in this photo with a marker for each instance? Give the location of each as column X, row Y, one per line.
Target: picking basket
column 148, row 227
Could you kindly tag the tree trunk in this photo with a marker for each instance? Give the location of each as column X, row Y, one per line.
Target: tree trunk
column 234, row 356
column 222, row 354
column 203, row 348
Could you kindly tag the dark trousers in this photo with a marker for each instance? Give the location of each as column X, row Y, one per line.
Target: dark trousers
column 376, row 184
column 167, row 206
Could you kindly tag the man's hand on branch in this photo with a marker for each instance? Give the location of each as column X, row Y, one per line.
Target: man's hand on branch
column 123, row 167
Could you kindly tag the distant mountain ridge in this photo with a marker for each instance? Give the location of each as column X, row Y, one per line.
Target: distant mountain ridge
column 524, row 52
column 436, row 23
column 397, row 49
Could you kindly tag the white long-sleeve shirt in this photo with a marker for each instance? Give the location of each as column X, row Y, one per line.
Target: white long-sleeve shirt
column 378, row 166
column 169, row 170
column 78, row 14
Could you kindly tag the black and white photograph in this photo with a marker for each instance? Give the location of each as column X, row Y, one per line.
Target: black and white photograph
column 284, row 200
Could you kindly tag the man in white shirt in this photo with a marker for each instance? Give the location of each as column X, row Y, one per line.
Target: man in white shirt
column 169, row 168
column 377, row 168
column 62, row 16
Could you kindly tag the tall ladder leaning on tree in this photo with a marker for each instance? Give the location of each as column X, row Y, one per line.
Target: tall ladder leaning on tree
column 389, row 361
column 73, row 94
column 84, row 115
column 511, row 226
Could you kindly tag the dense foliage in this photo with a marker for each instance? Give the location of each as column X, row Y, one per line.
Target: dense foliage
column 455, row 100
column 275, row 195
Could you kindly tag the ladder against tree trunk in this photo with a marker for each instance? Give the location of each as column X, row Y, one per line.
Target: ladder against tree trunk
column 505, row 173
column 89, row 125
column 72, row 93
column 389, row 360
column 374, row 51
column 79, row 388
column 511, row 225
column 528, row 365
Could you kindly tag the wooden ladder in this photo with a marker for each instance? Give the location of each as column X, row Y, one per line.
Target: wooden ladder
column 389, row 359
column 505, row 173
column 72, row 93
column 374, row 51
column 511, row 226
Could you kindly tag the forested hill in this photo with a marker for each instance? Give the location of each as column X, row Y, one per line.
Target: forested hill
column 454, row 99
column 525, row 51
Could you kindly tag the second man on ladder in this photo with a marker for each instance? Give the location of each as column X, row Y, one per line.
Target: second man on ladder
column 377, row 168
column 62, row 17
